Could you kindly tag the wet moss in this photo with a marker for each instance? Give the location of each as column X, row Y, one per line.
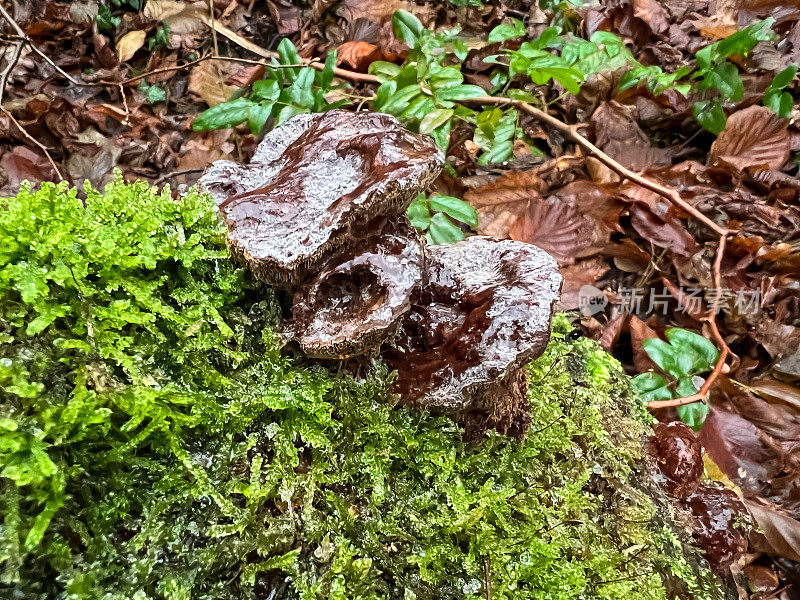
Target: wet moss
column 155, row 443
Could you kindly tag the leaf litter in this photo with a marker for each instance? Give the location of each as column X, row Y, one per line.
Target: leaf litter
column 145, row 77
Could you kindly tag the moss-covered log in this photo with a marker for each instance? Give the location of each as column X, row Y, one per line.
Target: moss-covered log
column 155, row 443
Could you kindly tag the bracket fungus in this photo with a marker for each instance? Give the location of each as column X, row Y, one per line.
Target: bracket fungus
column 356, row 301
column 319, row 211
column 484, row 312
column 312, row 181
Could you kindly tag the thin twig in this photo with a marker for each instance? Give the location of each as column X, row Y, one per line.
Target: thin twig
column 10, row 67
column 671, row 195
column 263, row 52
column 34, row 140
column 33, row 46
column 167, row 176
column 213, row 29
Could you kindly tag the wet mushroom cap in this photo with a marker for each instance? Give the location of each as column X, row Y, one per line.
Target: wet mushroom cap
column 314, row 181
column 485, row 311
column 355, row 303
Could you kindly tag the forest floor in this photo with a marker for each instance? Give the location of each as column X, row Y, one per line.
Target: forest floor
column 650, row 146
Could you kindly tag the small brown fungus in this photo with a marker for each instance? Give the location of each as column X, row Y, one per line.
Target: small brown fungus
column 356, row 301
column 483, row 313
column 312, row 183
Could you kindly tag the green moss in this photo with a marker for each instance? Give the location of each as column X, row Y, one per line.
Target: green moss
column 155, row 443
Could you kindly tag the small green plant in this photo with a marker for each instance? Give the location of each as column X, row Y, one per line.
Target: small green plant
column 715, row 77
column 435, row 217
column 105, row 20
column 160, row 39
column 775, row 98
column 288, row 89
column 424, row 91
column 684, row 358
column 153, row 93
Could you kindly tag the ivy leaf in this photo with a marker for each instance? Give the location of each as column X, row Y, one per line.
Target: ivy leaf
column 300, row 91
column 443, row 231
column 258, row 115
column 663, row 354
column 400, row 100
column 222, row 116
column 651, row 386
column 725, row 78
column 265, row 89
column 694, row 414
column 703, row 353
column 456, row 208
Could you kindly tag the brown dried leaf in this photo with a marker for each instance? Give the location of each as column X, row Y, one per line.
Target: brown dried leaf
column 781, row 531
column 584, row 272
column 755, row 138
column 378, row 11
column 207, row 81
column 652, row 13
column 359, row 55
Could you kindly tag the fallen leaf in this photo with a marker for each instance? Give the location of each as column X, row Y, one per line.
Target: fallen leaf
column 781, row 531
column 378, row 11
column 754, row 138
column 207, row 81
column 652, row 13
column 584, row 272
column 359, row 55
column 780, row 391
column 285, row 15
column 21, row 164
column 734, row 444
column 512, row 207
column 129, row 43
column 619, row 136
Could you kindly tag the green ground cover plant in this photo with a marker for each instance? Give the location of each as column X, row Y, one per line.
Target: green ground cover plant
column 155, row 442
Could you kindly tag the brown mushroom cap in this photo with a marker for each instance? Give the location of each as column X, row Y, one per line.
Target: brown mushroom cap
column 484, row 312
column 314, row 181
column 357, row 300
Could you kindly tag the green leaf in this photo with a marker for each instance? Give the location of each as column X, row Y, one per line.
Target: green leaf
column 325, row 77
column 459, row 92
column 499, row 153
column 300, row 92
column 782, row 79
column 663, row 354
column 725, row 78
column 288, row 53
column 155, row 94
column 694, row 414
column 651, row 386
column 407, row 28
column 688, row 343
column 710, row 115
column 222, row 116
column 456, row 208
column 434, row 119
column 265, row 89
column 443, row 230
column 418, row 213
column 401, row 99
column 506, row 31
column 384, row 70
column 258, row 115
column 781, row 103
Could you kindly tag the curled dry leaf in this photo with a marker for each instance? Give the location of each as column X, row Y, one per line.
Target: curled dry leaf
column 754, row 138
column 359, row 55
column 513, row 207
column 781, row 531
column 619, row 136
